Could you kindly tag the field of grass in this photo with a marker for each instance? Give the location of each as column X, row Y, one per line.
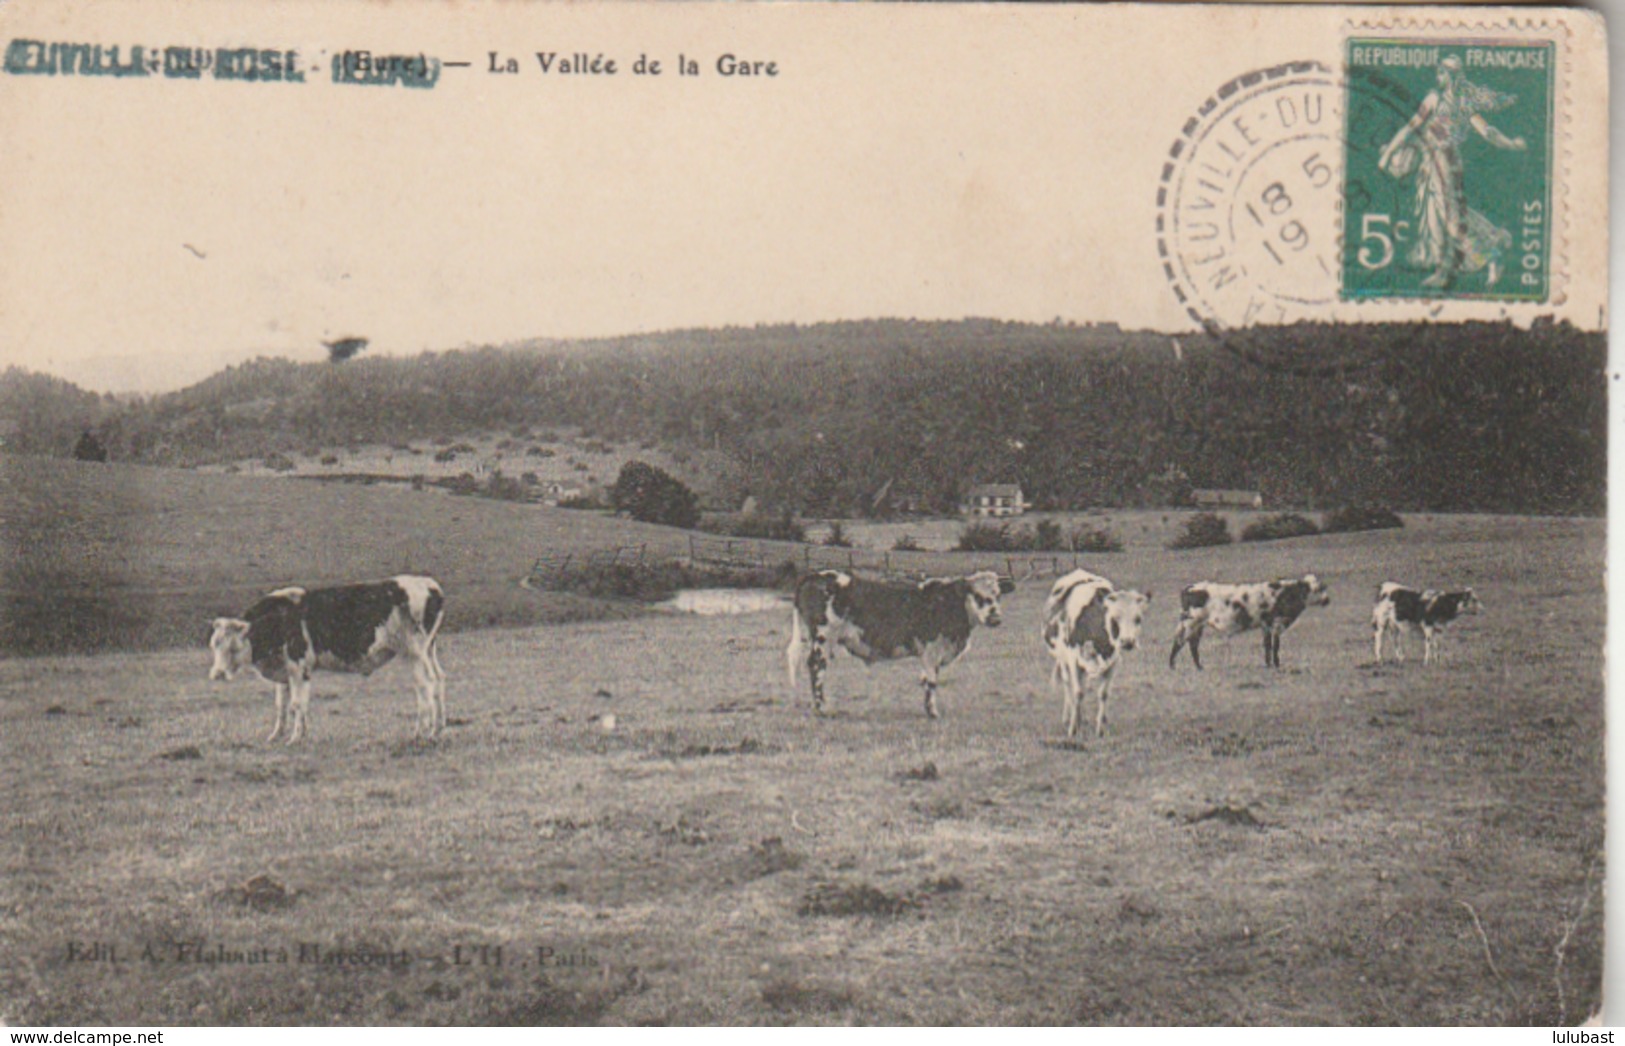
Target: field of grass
column 1332, row 843
column 99, row 557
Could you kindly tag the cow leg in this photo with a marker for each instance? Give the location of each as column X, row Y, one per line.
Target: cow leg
column 1377, row 630
column 281, row 712
column 299, row 688
column 928, row 680
column 795, row 651
column 1105, row 692
column 1428, row 640
column 423, row 684
column 1071, row 698
column 1269, row 642
column 1188, row 632
column 931, row 660
column 817, row 662
column 439, row 688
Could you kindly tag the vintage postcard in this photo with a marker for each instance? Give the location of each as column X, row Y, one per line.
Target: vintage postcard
column 802, row 513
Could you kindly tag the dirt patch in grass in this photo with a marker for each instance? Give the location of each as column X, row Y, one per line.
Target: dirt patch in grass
column 671, row 749
column 261, row 893
column 865, row 899
column 786, row 996
column 770, row 857
column 940, row 810
column 1228, row 813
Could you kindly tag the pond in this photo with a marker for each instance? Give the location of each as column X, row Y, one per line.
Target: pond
column 715, row 601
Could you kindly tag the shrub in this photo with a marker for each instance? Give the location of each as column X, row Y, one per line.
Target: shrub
column 1202, row 530
column 1360, row 517
column 538, row 452
column 906, row 543
column 465, row 483
column 330, row 459
column 581, row 501
column 836, row 538
column 783, row 528
column 1095, row 539
column 653, row 496
column 278, row 462
column 1273, row 528
column 444, row 456
column 994, row 537
column 504, row 488
column 1048, row 536
column 462, row 448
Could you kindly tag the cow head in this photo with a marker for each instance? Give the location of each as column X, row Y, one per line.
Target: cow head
column 1469, row 603
column 1125, row 612
column 1319, row 596
column 230, row 646
column 983, row 590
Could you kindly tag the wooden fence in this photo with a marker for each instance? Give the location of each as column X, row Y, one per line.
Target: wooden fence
column 551, row 568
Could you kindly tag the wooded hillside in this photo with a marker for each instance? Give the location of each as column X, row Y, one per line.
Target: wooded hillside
column 820, row 418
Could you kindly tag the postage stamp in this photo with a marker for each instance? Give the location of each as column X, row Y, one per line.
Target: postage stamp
column 1451, row 196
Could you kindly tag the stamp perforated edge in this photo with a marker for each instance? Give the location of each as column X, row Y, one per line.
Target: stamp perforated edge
column 1560, row 33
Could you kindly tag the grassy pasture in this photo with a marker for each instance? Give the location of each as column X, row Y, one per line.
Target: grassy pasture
column 1333, row 843
column 99, row 557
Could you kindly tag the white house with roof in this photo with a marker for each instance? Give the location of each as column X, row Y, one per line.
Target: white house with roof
column 994, row 499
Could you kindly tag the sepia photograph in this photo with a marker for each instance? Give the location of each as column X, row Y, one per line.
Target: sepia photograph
column 779, row 514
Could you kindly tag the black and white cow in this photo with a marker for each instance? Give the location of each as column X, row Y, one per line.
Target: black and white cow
column 1401, row 609
column 881, row 621
column 1271, row 606
column 1088, row 623
column 289, row 633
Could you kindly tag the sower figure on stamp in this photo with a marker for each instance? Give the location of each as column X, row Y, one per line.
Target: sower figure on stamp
column 1451, row 238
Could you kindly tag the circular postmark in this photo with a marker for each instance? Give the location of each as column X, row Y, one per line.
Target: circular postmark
column 1251, row 197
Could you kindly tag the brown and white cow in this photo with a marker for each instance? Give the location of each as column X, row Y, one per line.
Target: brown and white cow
column 1088, row 623
column 1271, row 606
column 1400, row 609
column 289, row 633
column 882, row 621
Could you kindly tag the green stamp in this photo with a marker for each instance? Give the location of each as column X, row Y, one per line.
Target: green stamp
column 1447, row 173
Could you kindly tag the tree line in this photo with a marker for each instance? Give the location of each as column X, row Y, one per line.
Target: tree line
column 865, row 417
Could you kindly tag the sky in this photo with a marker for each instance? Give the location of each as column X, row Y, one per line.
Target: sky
column 906, row 161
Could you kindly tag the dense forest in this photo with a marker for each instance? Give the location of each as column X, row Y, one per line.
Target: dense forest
column 821, row 419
